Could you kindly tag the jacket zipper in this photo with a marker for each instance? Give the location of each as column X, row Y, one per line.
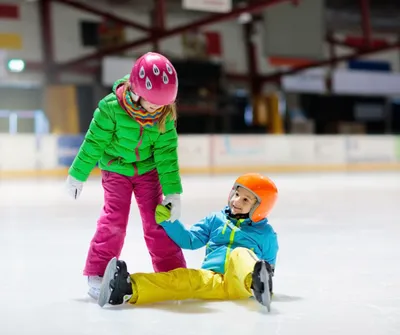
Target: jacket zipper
column 231, row 239
column 135, row 169
column 113, row 160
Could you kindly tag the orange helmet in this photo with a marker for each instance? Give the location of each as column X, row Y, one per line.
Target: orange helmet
column 263, row 189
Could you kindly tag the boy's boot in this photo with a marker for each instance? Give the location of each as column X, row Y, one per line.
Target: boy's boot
column 262, row 283
column 116, row 288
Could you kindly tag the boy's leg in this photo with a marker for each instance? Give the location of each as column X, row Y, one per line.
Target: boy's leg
column 144, row 288
column 181, row 284
column 111, row 226
column 239, row 269
column 178, row 284
column 244, row 276
column 165, row 254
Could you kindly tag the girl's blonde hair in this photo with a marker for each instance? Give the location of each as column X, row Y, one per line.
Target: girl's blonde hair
column 168, row 114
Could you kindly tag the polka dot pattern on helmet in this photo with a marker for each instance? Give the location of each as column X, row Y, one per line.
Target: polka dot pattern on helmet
column 169, row 69
column 149, row 85
column 165, row 78
column 156, row 70
column 142, row 73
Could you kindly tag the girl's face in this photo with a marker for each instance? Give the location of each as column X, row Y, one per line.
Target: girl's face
column 242, row 201
column 148, row 106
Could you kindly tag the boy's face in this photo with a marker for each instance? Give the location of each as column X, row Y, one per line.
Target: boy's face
column 242, row 201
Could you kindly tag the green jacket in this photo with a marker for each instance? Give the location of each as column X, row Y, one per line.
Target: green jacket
column 119, row 144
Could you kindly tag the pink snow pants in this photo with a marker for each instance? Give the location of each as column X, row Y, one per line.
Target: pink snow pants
column 111, row 227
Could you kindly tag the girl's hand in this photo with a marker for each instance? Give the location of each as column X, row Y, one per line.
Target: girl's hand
column 73, row 187
column 174, row 200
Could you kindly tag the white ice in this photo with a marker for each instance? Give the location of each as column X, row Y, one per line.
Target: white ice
column 338, row 269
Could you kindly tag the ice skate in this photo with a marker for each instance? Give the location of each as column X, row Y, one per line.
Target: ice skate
column 94, row 283
column 262, row 283
column 116, row 288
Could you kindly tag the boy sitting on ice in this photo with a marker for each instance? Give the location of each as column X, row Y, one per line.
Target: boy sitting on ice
column 241, row 250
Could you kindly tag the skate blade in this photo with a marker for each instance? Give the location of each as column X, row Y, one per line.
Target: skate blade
column 105, row 290
column 266, row 296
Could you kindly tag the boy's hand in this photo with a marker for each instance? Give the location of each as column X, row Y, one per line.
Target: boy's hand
column 162, row 214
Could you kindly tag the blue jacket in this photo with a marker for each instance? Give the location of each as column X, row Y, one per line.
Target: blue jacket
column 221, row 233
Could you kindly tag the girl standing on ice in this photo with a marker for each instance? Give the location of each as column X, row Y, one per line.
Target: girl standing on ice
column 133, row 138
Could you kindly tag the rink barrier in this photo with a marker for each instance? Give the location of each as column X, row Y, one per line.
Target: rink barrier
column 51, row 155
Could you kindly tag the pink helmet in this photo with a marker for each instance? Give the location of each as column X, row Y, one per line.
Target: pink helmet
column 154, row 79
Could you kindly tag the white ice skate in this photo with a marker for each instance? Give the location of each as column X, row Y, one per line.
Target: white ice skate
column 105, row 289
column 94, row 283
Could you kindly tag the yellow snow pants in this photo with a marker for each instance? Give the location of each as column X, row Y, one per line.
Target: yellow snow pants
column 181, row 284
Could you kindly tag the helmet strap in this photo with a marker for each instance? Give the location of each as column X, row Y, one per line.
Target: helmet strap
column 236, row 216
column 134, row 96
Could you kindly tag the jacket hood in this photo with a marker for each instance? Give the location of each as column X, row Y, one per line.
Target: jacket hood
column 119, row 82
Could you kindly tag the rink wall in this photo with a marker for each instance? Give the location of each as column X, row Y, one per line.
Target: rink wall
column 51, row 155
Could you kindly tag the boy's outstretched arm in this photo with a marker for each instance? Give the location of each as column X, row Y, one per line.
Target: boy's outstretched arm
column 194, row 238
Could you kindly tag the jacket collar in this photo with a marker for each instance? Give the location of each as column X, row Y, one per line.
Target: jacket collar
column 244, row 218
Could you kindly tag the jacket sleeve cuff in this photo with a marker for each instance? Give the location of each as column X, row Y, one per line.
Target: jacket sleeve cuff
column 78, row 175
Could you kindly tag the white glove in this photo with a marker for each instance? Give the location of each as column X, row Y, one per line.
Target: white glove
column 73, row 187
column 175, row 201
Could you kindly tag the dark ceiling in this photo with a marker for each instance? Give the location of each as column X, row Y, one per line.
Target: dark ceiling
column 346, row 15
column 340, row 14
column 388, row 6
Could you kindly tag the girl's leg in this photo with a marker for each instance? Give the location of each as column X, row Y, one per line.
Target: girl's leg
column 111, row 226
column 165, row 254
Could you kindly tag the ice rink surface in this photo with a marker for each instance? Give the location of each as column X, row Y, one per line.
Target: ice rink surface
column 338, row 269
